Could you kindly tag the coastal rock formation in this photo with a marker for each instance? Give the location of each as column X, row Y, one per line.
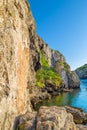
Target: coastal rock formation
column 50, row 65
column 78, row 115
column 73, row 80
column 54, row 118
column 27, row 64
column 16, row 76
column 48, row 118
column 82, row 72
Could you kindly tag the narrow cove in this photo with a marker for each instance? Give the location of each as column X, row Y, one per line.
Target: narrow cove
column 76, row 98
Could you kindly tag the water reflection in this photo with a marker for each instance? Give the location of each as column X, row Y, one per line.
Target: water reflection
column 77, row 98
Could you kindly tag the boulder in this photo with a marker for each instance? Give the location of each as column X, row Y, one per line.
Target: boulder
column 78, row 115
column 48, row 118
column 25, row 122
column 54, row 118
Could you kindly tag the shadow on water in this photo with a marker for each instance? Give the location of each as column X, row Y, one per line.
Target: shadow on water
column 77, row 98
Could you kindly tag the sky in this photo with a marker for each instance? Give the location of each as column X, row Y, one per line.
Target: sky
column 62, row 24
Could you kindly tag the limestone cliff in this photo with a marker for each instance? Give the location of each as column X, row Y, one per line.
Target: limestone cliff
column 44, row 59
column 82, row 72
column 16, row 27
column 23, row 55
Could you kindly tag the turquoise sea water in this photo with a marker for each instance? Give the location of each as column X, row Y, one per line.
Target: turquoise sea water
column 77, row 98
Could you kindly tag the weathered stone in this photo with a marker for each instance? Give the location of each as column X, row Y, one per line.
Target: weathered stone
column 36, row 99
column 16, row 24
column 54, row 118
column 78, row 114
column 81, row 127
column 26, row 121
column 73, row 80
column 47, row 118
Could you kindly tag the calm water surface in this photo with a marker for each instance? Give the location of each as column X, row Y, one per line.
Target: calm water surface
column 77, row 98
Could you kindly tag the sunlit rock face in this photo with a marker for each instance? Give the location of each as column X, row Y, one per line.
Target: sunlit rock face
column 16, row 26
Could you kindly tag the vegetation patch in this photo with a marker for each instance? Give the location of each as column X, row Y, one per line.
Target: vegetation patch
column 82, row 67
column 47, row 73
column 66, row 66
column 43, row 60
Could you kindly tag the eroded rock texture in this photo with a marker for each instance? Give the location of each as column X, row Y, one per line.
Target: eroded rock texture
column 16, row 26
column 48, row 118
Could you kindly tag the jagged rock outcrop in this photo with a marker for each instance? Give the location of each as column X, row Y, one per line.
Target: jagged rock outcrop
column 44, row 56
column 48, row 118
column 82, row 72
column 73, row 80
column 22, row 55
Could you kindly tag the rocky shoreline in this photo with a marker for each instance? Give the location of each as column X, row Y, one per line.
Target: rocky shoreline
column 52, row 118
column 47, row 95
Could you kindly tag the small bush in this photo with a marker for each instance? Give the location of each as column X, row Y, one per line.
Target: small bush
column 40, row 84
column 43, row 60
column 47, row 73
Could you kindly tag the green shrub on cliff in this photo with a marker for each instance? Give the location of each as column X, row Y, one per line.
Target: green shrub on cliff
column 40, row 84
column 43, row 60
column 47, row 73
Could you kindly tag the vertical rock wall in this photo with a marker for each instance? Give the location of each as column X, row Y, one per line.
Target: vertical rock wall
column 16, row 26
